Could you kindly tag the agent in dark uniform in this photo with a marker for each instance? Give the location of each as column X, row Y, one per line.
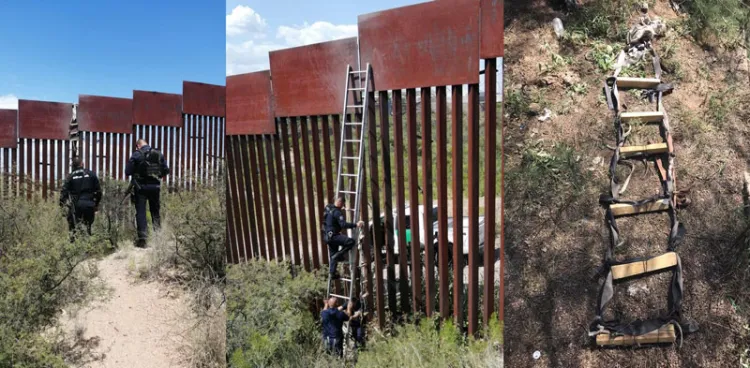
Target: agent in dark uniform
column 147, row 167
column 334, row 226
column 356, row 323
column 81, row 193
column 332, row 319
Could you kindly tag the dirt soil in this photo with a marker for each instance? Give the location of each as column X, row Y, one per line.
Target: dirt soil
column 556, row 238
column 141, row 324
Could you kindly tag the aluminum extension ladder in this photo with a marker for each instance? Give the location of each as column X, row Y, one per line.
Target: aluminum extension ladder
column 355, row 108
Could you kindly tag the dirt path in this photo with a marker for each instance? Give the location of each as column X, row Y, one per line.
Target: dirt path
column 141, row 324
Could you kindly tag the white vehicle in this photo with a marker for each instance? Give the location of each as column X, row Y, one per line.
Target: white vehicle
column 434, row 214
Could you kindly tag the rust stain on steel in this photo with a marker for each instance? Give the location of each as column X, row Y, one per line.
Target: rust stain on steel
column 385, row 151
column 44, row 120
column 429, row 258
column 473, row 232
column 312, row 209
column 416, row 272
column 442, row 36
column 442, row 181
column 8, row 128
column 157, row 109
column 203, row 99
column 105, row 114
column 300, row 194
column 492, row 41
column 249, row 104
column 490, row 171
column 457, row 192
column 398, row 136
column 293, row 252
column 377, row 236
column 252, row 215
column 309, row 80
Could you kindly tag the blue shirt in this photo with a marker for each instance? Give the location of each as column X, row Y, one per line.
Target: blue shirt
column 333, row 320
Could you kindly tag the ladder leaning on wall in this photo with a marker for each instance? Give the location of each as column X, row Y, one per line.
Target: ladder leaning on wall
column 352, row 140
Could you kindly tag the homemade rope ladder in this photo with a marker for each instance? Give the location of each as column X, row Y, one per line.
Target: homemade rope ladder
column 663, row 328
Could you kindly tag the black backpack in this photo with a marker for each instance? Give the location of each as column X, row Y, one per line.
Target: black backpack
column 152, row 161
column 326, row 235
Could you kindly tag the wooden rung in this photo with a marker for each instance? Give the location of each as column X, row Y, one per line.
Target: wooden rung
column 643, row 116
column 626, row 209
column 661, row 262
column 650, row 149
column 627, row 82
column 664, row 335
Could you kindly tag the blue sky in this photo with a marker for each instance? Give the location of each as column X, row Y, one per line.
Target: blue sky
column 56, row 50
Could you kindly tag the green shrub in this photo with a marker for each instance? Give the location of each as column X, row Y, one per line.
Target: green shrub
column 430, row 344
column 115, row 219
column 41, row 272
column 269, row 320
column 720, row 20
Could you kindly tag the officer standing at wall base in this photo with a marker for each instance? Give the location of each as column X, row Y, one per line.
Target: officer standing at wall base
column 81, row 194
column 147, row 167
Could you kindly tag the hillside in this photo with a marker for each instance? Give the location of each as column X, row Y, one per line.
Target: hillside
column 556, row 169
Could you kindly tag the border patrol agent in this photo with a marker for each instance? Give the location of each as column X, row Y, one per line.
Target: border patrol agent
column 332, row 319
column 81, row 193
column 147, row 166
column 333, row 227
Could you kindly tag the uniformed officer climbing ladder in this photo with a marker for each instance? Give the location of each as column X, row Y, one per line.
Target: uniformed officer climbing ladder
column 74, row 133
column 355, row 122
column 663, row 329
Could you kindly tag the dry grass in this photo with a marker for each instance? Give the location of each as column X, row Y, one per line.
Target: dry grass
column 552, row 252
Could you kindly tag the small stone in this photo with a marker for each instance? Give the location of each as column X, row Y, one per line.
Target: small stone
column 597, row 160
column 546, row 116
column 570, row 79
column 537, row 354
column 535, row 108
column 558, row 26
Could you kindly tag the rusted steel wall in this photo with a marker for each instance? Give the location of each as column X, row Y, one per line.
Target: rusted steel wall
column 426, row 67
column 8, row 151
column 308, row 80
column 249, row 104
column 35, row 150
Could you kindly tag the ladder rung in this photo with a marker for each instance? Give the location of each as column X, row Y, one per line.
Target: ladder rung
column 358, row 72
column 350, row 175
column 626, row 209
column 353, row 123
column 340, row 296
column 355, row 106
column 357, row 89
column 629, row 82
column 347, row 192
column 350, row 158
column 643, row 116
column 649, row 149
column 352, row 140
column 345, row 279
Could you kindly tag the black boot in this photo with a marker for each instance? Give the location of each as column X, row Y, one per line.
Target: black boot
column 140, row 243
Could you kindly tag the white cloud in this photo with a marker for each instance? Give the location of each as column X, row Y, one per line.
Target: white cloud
column 316, row 32
column 249, row 39
column 8, row 102
column 249, row 56
column 245, row 21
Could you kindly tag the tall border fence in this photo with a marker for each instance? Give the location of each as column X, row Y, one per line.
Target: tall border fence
column 283, row 144
column 36, row 145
